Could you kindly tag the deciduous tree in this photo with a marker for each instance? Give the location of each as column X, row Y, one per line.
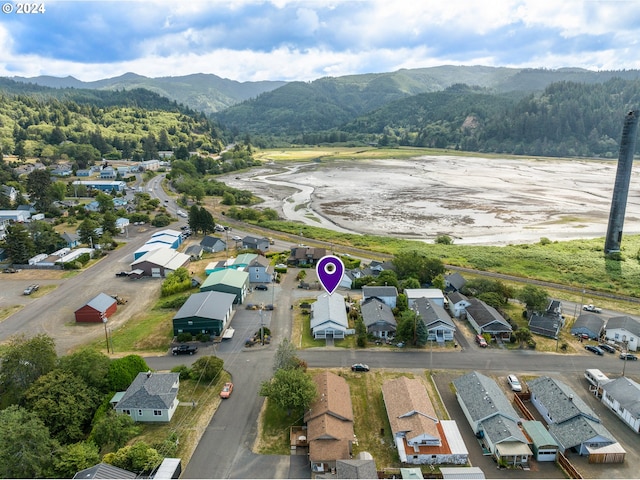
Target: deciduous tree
column 26, row 448
column 291, row 390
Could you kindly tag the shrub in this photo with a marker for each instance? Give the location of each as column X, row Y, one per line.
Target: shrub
column 444, row 240
column 183, row 370
column 175, row 302
column 203, row 337
column 184, row 337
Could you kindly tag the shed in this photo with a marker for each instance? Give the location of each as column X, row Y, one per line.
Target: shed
column 545, row 448
column 97, row 310
column 169, row 468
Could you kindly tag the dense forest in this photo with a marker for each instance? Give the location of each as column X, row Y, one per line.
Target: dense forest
column 113, row 125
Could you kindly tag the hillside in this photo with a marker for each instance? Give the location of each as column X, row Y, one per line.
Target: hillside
column 329, row 103
column 201, row 92
column 86, row 132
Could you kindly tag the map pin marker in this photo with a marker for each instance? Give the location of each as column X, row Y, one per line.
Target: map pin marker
column 329, row 270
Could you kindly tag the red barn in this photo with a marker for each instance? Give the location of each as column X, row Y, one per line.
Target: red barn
column 97, row 310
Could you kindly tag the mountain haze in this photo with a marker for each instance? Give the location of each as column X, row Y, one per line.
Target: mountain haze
column 202, row 92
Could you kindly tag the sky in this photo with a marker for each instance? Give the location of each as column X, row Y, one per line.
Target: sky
column 251, row 40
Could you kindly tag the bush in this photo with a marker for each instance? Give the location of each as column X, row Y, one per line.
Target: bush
column 183, row 370
column 532, row 344
column 444, row 240
column 184, row 337
column 203, row 337
column 175, row 302
column 84, row 258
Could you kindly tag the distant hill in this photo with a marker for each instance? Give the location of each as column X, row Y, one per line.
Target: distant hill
column 328, row 103
column 201, row 92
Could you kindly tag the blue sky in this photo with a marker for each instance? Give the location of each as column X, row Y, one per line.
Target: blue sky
column 249, row 40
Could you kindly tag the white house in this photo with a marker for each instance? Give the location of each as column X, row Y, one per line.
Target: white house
column 438, row 322
column 623, row 330
column 622, row 396
column 388, row 295
column 457, row 303
column 432, row 294
column 329, row 316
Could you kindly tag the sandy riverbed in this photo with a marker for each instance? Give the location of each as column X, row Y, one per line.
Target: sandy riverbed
column 477, row 200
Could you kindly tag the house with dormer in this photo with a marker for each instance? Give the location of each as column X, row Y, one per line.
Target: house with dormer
column 303, row 255
column 492, row 417
column 420, row 437
column 329, row 422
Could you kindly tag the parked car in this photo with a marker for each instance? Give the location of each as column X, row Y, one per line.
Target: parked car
column 628, row 356
column 31, row 288
column 514, row 383
column 481, row 341
column 594, row 349
column 261, row 287
column 184, row 350
column 226, row 390
column 236, row 238
column 592, row 308
column 122, row 274
column 9, row 270
column 606, row 347
column 359, row 367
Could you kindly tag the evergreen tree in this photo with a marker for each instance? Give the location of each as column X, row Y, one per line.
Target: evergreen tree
column 20, row 246
column 38, row 186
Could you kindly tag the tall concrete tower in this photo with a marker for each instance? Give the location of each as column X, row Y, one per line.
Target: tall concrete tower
column 621, row 187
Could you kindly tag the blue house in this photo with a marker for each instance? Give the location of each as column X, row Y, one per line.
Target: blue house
column 72, row 239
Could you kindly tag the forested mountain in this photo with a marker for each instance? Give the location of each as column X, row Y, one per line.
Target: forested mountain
column 566, row 119
column 329, row 103
column 86, row 132
column 201, row 92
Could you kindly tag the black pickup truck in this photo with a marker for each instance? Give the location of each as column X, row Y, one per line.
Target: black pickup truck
column 184, row 350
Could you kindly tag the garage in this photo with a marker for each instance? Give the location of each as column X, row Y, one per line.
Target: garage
column 97, row 310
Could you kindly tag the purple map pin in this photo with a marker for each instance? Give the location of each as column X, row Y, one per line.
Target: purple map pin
column 329, row 270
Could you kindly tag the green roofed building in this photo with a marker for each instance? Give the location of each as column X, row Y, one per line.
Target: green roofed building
column 545, row 448
column 205, row 312
column 228, row 281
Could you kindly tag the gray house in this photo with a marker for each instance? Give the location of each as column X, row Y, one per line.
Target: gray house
column 486, row 319
column 258, row 270
column 588, row 324
column 151, row 397
column 255, row 243
column 194, row 252
column 549, row 323
column 438, row 322
column 212, row 244
column 571, row 421
column 492, row 418
column 454, row 282
column 104, row 470
column 378, row 318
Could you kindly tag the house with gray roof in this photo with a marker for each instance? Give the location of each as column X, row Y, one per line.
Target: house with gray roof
column 205, row 312
column 362, row 467
column 433, row 294
column 213, row 244
column 548, row 323
column 388, row 295
column 438, row 322
column 492, row 418
column 572, row 423
column 378, row 318
column 194, row 251
column 486, row 319
column 151, row 397
column 329, row 316
column 454, row 282
column 160, row 262
column 622, row 396
column 256, row 243
column 104, row 470
column 624, row 330
column 457, row 303
column 588, row 324
column 258, row 270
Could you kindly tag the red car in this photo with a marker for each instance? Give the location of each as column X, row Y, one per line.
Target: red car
column 226, row 390
column 481, row 341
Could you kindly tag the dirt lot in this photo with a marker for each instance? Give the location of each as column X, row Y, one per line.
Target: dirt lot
column 474, row 200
